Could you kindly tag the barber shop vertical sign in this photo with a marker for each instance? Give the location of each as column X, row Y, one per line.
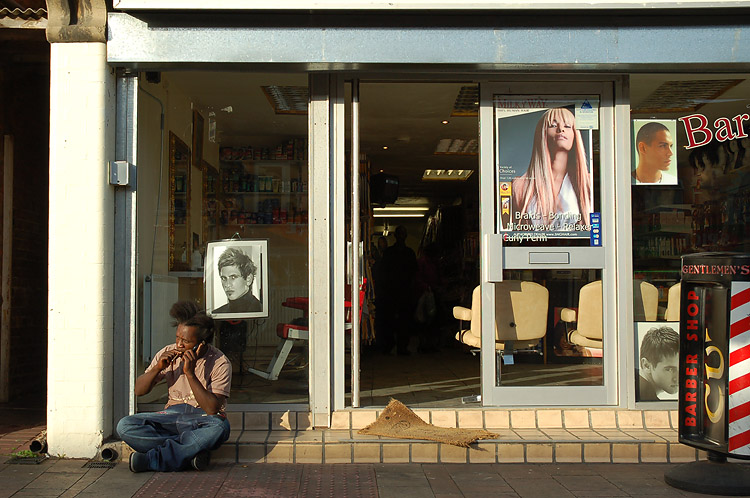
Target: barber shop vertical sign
column 714, row 404
column 703, row 365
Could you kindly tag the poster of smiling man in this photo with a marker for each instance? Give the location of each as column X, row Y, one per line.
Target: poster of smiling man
column 544, row 164
column 236, row 279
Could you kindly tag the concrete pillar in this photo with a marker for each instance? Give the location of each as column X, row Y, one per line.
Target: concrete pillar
column 81, row 235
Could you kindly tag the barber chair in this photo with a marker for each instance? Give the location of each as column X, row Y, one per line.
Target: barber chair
column 298, row 330
column 520, row 320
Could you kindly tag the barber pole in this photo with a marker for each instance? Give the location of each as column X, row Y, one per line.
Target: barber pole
column 714, row 403
column 739, row 369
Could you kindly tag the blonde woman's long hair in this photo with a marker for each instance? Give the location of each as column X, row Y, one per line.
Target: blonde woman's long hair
column 537, row 181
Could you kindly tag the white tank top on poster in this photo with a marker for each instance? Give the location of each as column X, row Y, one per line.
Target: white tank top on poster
column 567, row 210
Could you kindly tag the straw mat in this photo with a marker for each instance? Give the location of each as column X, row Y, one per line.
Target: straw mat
column 398, row 421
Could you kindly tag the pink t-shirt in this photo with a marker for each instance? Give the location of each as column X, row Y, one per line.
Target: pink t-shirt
column 213, row 370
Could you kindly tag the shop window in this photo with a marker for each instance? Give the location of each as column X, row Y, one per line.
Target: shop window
column 234, row 176
column 690, row 193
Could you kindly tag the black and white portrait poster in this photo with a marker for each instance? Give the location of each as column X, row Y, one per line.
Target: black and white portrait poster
column 236, row 279
column 657, row 360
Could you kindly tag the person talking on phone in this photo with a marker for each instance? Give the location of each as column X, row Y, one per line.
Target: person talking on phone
column 193, row 421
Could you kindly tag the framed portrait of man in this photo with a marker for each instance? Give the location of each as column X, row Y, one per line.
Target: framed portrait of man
column 236, row 279
column 657, row 361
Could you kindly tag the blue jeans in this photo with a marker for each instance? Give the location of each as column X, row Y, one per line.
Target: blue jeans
column 171, row 438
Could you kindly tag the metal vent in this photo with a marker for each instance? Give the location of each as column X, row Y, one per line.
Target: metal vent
column 467, row 101
column 287, row 99
column 26, row 460
column 99, row 465
column 684, row 96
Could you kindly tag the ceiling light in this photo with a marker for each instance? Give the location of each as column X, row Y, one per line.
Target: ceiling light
column 385, row 147
column 402, row 208
column 457, row 146
column 447, row 174
column 445, row 121
column 683, row 96
column 399, row 215
column 467, row 102
column 287, row 99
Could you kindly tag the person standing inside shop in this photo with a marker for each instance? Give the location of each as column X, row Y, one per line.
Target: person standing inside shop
column 237, row 272
column 378, row 286
column 193, row 421
column 654, row 143
column 659, row 363
column 555, row 191
column 399, row 268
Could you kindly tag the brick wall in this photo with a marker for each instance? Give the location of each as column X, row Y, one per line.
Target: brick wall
column 25, row 116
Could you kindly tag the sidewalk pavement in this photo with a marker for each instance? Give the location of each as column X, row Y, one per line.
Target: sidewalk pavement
column 70, row 478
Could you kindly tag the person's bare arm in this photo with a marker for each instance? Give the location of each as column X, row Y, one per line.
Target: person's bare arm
column 146, row 382
column 210, row 403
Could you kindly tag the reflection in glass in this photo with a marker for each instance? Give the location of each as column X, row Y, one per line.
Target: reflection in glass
column 549, row 328
column 249, row 181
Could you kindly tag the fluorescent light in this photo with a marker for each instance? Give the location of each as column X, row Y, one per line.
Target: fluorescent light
column 399, row 215
column 402, row 208
column 447, row 174
column 457, row 146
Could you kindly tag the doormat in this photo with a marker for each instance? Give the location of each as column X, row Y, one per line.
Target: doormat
column 398, row 421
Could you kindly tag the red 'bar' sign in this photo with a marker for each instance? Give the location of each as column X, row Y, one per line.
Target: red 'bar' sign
column 696, row 127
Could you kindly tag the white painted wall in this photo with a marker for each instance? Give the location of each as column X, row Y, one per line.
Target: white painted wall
column 81, row 235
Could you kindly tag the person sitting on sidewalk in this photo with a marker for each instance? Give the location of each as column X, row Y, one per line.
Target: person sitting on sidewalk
column 193, row 422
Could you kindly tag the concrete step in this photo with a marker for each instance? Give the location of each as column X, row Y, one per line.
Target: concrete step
column 524, row 436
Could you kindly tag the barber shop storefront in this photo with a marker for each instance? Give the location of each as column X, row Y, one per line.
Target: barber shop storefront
column 479, row 220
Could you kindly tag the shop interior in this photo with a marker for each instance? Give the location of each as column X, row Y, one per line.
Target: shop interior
column 706, row 208
column 231, row 164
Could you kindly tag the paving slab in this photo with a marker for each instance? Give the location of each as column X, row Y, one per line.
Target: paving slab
column 36, row 493
column 86, row 480
column 405, row 491
column 69, row 479
column 54, row 480
column 117, row 482
column 589, row 483
column 68, row 466
column 532, row 488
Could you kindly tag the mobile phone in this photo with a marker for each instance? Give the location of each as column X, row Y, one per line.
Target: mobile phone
column 195, row 348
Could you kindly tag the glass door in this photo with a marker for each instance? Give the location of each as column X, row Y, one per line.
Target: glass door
column 547, row 286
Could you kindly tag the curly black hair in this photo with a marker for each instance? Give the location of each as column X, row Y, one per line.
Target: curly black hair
column 188, row 313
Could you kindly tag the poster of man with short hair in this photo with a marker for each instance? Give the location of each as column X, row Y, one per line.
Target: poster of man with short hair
column 657, row 360
column 237, row 279
column 654, row 152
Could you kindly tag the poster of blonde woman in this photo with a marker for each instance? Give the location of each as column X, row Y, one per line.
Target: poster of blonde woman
column 544, row 165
